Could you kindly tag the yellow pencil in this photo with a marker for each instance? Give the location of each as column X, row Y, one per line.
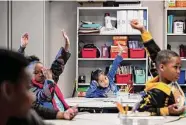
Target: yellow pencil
column 120, row 108
column 126, row 109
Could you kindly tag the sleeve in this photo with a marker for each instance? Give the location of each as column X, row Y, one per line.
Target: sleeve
column 31, row 118
column 93, row 91
column 44, row 94
column 152, row 102
column 34, row 119
column 150, row 45
column 45, row 113
column 21, row 50
column 152, row 50
column 58, row 64
column 115, row 64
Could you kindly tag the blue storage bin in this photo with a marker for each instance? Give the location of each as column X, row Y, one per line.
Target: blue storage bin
column 181, row 79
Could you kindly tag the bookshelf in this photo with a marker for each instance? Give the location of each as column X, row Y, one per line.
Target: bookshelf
column 175, row 34
column 172, row 38
column 84, row 66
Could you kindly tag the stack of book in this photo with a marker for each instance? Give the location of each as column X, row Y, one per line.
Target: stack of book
column 89, row 27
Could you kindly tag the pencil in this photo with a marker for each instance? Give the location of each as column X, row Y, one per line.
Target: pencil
column 120, row 108
column 126, row 109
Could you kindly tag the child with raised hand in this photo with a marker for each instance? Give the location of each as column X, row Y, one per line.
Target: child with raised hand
column 44, row 83
column 102, row 83
column 161, row 97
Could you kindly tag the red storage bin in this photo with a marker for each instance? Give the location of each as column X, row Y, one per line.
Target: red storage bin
column 89, row 52
column 137, row 53
column 123, row 78
column 114, row 52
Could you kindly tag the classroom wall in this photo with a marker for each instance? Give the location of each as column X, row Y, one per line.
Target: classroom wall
column 59, row 17
column 3, row 23
column 156, row 20
column 27, row 16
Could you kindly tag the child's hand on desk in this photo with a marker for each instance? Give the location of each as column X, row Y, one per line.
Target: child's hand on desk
column 70, row 113
column 175, row 110
column 24, row 40
column 67, row 41
column 136, row 25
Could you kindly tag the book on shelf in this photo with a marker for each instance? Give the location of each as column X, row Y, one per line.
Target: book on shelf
column 170, row 24
column 125, row 16
column 89, row 31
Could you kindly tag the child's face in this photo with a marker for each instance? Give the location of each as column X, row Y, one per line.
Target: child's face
column 39, row 77
column 103, row 80
column 171, row 70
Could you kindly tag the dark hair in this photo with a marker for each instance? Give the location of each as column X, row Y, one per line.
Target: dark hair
column 11, row 65
column 164, row 56
column 95, row 74
column 32, row 58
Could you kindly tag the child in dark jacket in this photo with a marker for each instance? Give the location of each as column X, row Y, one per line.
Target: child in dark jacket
column 101, row 83
column 160, row 95
column 44, row 81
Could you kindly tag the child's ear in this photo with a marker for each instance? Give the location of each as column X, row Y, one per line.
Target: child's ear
column 97, row 83
column 7, row 90
column 161, row 67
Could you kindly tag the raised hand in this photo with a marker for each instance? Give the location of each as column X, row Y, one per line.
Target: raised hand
column 121, row 49
column 24, row 40
column 67, row 41
column 136, row 25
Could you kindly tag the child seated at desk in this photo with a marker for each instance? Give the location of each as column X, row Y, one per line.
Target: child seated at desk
column 50, row 103
column 161, row 97
column 101, row 83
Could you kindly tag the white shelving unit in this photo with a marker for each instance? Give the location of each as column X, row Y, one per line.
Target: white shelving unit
column 84, row 66
column 173, row 34
column 174, row 39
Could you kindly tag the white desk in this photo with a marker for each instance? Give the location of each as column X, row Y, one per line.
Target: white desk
column 98, row 102
column 106, row 119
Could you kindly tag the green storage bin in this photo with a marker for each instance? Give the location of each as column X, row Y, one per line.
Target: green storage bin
column 140, row 77
column 82, row 89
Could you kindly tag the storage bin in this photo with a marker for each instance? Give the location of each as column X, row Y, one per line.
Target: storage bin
column 124, row 78
column 140, row 78
column 137, row 53
column 89, row 52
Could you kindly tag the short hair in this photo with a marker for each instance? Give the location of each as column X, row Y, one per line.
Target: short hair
column 95, row 74
column 33, row 61
column 11, row 65
column 164, row 56
column 33, row 58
